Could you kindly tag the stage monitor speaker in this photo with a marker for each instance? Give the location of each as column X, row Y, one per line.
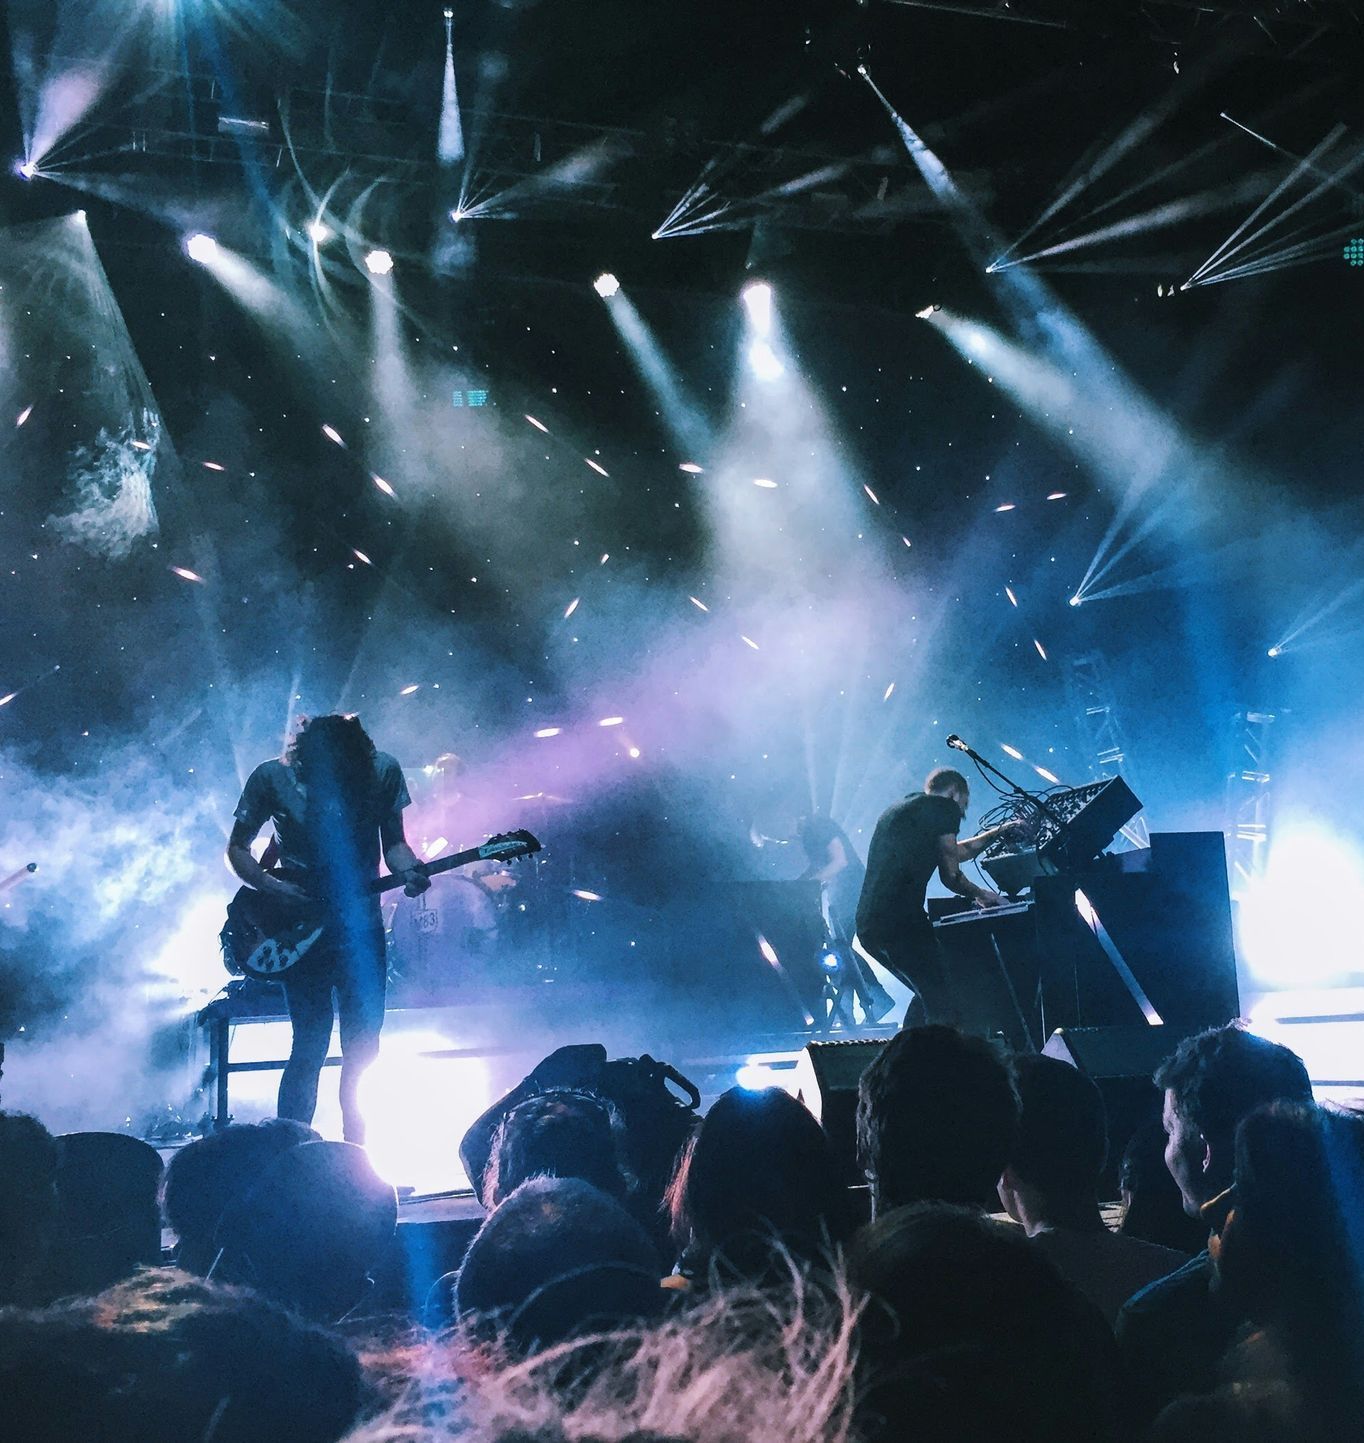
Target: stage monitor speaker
column 1121, row 1062
column 827, row 1076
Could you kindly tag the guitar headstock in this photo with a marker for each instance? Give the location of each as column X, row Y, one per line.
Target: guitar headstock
column 508, row 846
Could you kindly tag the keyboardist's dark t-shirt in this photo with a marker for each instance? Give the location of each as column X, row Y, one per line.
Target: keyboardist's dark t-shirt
column 901, row 858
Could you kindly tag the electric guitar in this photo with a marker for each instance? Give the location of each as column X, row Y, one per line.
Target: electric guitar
column 266, row 936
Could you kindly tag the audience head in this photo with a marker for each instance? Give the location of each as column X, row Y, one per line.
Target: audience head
column 557, row 1258
column 108, row 1222
column 1053, row 1171
column 28, row 1205
column 562, row 1133
column 738, row 1364
column 758, row 1168
column 971, row 1332
column 936, row 1117
column 206, row 1176
column 1292, row 1249
column 310, row 1231
column 1212, row 1081
column 168, row 1357
column 1153, row 1206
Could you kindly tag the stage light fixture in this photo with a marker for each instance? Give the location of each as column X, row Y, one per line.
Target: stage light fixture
column 379, row 263
column 319, row 232
column 757, row 298
column 927, row 311
column 606, row 285
column 202, row 248
column 27, row 168
column 1274, row 651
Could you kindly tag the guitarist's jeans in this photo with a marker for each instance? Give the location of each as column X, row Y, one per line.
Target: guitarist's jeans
column 356, row 973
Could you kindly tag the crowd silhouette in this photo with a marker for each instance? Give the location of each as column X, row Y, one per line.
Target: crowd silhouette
column 980, row 1283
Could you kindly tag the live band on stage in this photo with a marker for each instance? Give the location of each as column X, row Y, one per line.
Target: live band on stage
column 1068, row 934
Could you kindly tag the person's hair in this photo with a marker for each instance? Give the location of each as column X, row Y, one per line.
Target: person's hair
column 560, row 1133
column 1155, row 1207
column 1219, row 1076
column 971, row 1332
column 936, row 1117
column 739, row 1363
column 558, row 1257
column 1062, row 1138
column 334, row 751
column 166, row 1356
column 209, row 1174
column 944, row 779
column 759, row 1166
column 108, row 1223
column 1289, row 1255
column 311, row 1230
column 28, row 1203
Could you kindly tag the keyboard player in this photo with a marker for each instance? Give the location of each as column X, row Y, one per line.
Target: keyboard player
column 913, row 838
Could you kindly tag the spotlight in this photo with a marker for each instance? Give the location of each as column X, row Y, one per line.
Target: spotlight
column 763, row 359
column 757, row 298
column 449, row 12
column 201, row 248
column 606, row 285
column 1076, row 599
column 378, row 263
column 319, row 233
column 457, row 215
column 27, row 168
column 1274, row 651
column 927, row 311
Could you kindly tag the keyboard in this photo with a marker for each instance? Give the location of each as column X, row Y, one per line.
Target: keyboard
column 986, row 914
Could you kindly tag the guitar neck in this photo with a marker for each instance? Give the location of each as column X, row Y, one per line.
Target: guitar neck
column 433, row 869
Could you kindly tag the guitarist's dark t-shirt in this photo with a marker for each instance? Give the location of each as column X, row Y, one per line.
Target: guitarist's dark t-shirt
column 273, row 793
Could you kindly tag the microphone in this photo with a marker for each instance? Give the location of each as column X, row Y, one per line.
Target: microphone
column 956, row 743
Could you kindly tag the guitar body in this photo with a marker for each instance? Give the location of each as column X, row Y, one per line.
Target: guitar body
column 267, row 938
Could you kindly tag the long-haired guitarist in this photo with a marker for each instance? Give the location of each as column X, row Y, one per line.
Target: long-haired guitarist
column 336, row 803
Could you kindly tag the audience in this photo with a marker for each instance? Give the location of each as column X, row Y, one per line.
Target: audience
column 108, row 1222
column 170, row 1358
column 936, row 1118
column 558, row 1258
column 741, row 1366
column 758, row 1171
column 1174, row 1332
column 972, row 1333
column 562, row 1133
column 207, row 1176
column 1051, row 1187
column 310, row 1231
column 933, row 1323
column 1152, row 1204
column 28, row 1207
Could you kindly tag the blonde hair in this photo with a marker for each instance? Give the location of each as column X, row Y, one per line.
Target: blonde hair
column 739, row 1365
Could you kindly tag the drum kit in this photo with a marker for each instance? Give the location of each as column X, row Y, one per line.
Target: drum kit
column 480, row 925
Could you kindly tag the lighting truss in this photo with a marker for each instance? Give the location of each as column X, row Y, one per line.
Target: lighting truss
column 1249, row 804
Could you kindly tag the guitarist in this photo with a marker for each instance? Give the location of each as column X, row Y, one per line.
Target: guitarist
column 335, row 802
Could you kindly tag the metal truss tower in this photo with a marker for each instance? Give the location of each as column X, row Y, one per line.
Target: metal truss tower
column 1249, row 795
column 1089, row 690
